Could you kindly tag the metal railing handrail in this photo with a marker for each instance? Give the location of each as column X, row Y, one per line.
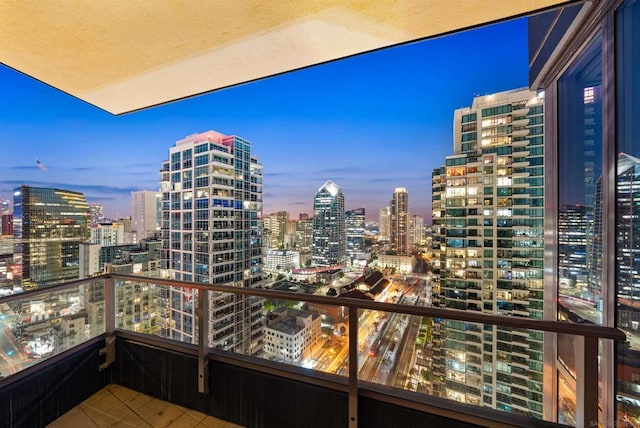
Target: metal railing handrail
column 586, row 330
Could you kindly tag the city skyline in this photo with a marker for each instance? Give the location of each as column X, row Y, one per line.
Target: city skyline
column 386, row 115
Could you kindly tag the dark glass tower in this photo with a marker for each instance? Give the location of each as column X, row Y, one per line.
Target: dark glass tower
column 49, row 225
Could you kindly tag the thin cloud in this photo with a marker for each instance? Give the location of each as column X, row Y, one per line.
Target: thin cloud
column 84, row 188
column 339, row 170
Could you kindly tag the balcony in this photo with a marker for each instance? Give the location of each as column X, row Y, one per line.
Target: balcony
column 236, row 387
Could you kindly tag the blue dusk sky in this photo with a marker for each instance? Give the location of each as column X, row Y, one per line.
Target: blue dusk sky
column 369, row 123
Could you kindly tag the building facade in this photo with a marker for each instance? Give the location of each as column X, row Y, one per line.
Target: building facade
column 416, row 230
column 384, row 224
column 399, row 221
column 329, row 235
column 491, row 222
column 277, row 260
column 49, row 226
column 354, row 225
column 212, row 233
column 107, row 233
column 291, row 335
column 145, row 214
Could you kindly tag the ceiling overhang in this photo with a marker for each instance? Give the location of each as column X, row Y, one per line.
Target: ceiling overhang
column 124, row 55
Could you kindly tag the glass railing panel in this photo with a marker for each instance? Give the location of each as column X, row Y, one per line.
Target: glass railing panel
column 41, row 325
column 478, row 364
column 395, row 349
column 309, row 335
column 139, row 306
column 143, row 306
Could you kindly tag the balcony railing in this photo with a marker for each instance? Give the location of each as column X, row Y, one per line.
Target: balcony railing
column 48, row 324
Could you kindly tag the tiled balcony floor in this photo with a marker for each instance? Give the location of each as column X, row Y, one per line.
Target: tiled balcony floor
column 116, row 406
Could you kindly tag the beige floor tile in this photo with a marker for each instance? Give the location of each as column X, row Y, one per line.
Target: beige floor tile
column 124, row 413
column 122, row 393
column 166, row 416
column 98, row 417
column 102, row 400
column 74, row 418
column 184, row 421
column 137, row 401
column 211, row 422
column 199, row 416
column 150, row 408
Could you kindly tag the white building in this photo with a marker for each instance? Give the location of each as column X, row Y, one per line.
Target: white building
column 108, row 233
column 291, row 335
column 212, row 234
column 276, row 260
column 403, row 264
column 145, row 214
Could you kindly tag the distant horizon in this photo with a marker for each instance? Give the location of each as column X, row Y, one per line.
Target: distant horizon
column 370, row 123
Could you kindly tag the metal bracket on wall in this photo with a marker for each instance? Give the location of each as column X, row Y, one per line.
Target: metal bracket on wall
column 109, row 351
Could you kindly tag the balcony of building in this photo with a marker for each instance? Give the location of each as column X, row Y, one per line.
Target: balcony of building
column 62, row 352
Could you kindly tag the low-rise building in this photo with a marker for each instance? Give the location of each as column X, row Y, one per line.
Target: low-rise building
column 291, row 334
column 404, row 264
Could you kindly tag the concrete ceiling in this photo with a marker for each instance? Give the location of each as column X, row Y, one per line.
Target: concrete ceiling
column 124, row 55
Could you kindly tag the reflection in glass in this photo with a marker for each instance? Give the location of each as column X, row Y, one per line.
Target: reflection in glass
column 580, row 208
column 628, row 212
column 42, row 325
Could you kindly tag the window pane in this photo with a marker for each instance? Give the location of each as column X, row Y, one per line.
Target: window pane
column 628, row 212
column 580, row 208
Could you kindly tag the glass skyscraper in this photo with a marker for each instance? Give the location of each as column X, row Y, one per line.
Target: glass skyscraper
column 49, row 225
column 354, row 221
column 329, row 235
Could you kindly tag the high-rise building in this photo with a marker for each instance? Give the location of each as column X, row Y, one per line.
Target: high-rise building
column 275, row 226
column 416, row 230
column 6, row 225
column 628, row 238
column 97, row 212
column 107, row 233
column 384, row 226
column 399, row 227
column 145, row 214
column 490, row 194
column 49, row 225
column 212, row 233
column 5, row 206
column 354, row 224
column 574, row 222
column 329, row 236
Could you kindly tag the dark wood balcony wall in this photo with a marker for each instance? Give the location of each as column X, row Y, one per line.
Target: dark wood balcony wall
column 43, row 394
column 251, row 398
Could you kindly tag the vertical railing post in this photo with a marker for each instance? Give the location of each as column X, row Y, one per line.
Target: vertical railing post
column 353, row 367
column 203, row 336
column 586, row 381
column 110, row 306
column 109, row 309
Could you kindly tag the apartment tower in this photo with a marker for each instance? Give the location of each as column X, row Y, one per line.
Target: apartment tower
column 399, row 229
column 488, row 220
column 212, row 233
column 145, row 214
